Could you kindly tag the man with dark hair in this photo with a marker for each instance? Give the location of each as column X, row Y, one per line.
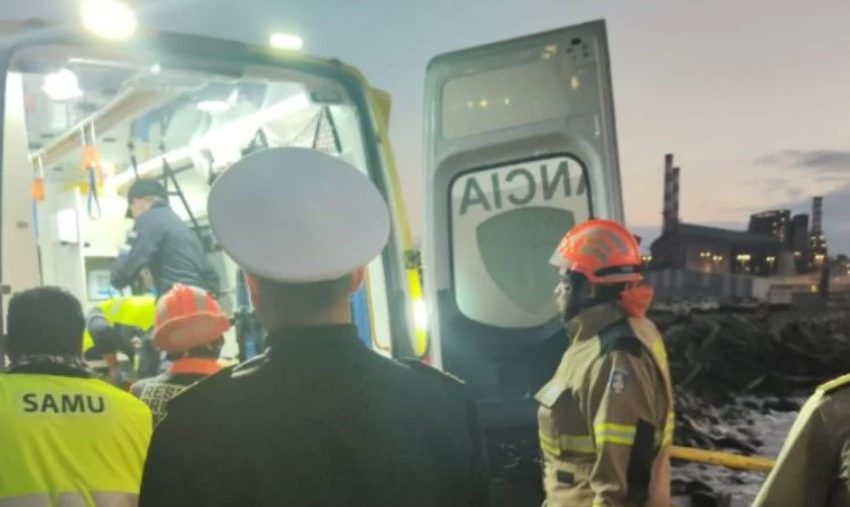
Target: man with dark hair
column 318, row 419
column 162, row 243
column 606, row 416
column 63, row 433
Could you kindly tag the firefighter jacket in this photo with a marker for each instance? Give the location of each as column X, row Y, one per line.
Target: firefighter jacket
column 69, row 439
column 813, row 468
column 317, row 420
column 157, row 391
column 606, row 417
column 161, row 242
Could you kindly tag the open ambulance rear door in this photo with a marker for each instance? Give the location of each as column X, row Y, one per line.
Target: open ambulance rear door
column 520, row 146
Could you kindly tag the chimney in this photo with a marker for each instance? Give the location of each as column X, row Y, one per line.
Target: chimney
column 671, row 194
column 817, row 216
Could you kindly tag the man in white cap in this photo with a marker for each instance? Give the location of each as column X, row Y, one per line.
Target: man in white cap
column 318, row 420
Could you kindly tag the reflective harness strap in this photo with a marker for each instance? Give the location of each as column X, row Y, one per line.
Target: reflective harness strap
column 578, row 444
column 613, row 433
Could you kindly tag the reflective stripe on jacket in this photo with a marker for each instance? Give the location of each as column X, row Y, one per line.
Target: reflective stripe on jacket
column 69, row 441
column 606, row 416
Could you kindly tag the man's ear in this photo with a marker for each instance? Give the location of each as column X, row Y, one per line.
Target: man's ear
column 357, row 279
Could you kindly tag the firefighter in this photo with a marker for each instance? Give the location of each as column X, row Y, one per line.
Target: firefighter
column 67, row 438
column 606, row 416
column 121, row 324
column 318, row 419
column 813, row 468
column 189, row 327
column 162, row 243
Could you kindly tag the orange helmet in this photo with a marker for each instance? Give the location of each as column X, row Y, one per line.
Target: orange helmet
column 188, row 317
column 602, row 250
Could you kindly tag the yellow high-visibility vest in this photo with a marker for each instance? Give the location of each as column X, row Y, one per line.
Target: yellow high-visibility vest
column 70, row 441
column 134, row 311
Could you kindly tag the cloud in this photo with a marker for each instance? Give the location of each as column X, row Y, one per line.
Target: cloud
column 787, row 187
column 828, row 161
column 793, row 193
column 832, row 178
column 770, row 184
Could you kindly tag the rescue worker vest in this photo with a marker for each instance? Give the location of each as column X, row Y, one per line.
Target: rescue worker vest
column 588, row 413
column 132, row 311
column 70, row 441
column 812, row 466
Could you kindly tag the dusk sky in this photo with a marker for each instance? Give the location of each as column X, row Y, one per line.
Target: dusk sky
column 753, row 97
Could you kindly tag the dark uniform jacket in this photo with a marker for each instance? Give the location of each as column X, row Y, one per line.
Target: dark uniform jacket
column 318, row 420
column 161, row 242
column 157, row 391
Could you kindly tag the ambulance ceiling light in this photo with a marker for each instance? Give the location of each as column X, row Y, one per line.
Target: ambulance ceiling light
column 286, row 41
column 216, row 99
column 62, row 85
column 214, row 106
column 420, row 314
column 110, row 19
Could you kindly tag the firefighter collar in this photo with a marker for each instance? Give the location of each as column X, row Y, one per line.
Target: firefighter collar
column 297, row 215
column 588, row 323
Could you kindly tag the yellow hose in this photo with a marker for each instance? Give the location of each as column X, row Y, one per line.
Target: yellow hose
column 725, row 459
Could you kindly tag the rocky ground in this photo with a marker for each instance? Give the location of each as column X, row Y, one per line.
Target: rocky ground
column 740, row 379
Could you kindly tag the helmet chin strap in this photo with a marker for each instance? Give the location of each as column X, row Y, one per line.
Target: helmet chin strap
column 580, row 296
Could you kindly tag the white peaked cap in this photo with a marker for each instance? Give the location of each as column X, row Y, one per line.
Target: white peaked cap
column 297, row 215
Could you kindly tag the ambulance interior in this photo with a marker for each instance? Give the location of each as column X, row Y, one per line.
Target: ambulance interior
column 82, row 125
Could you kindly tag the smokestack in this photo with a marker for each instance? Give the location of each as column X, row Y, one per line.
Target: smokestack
column 671, row 194
column 675, row 198
column 817, row 216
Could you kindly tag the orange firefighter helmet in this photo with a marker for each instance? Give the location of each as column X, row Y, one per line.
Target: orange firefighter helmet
column 188, row 317
column 602, row 250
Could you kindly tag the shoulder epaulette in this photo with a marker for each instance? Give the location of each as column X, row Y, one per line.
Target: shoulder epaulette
column 620, row 336
column 835, row 383
column 430, row 370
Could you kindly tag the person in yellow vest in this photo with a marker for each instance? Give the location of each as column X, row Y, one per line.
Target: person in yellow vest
column 606, row 416
column 813, row 468
column 189, row 327
column 122, row 324
column 67, row 438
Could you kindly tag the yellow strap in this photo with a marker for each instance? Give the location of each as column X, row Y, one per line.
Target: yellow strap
column 581, row 444
column 549, row 448
column 665, row 438
column 381, row 104
column 834, row 383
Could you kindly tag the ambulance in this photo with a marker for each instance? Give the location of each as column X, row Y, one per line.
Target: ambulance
column 520, row 145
